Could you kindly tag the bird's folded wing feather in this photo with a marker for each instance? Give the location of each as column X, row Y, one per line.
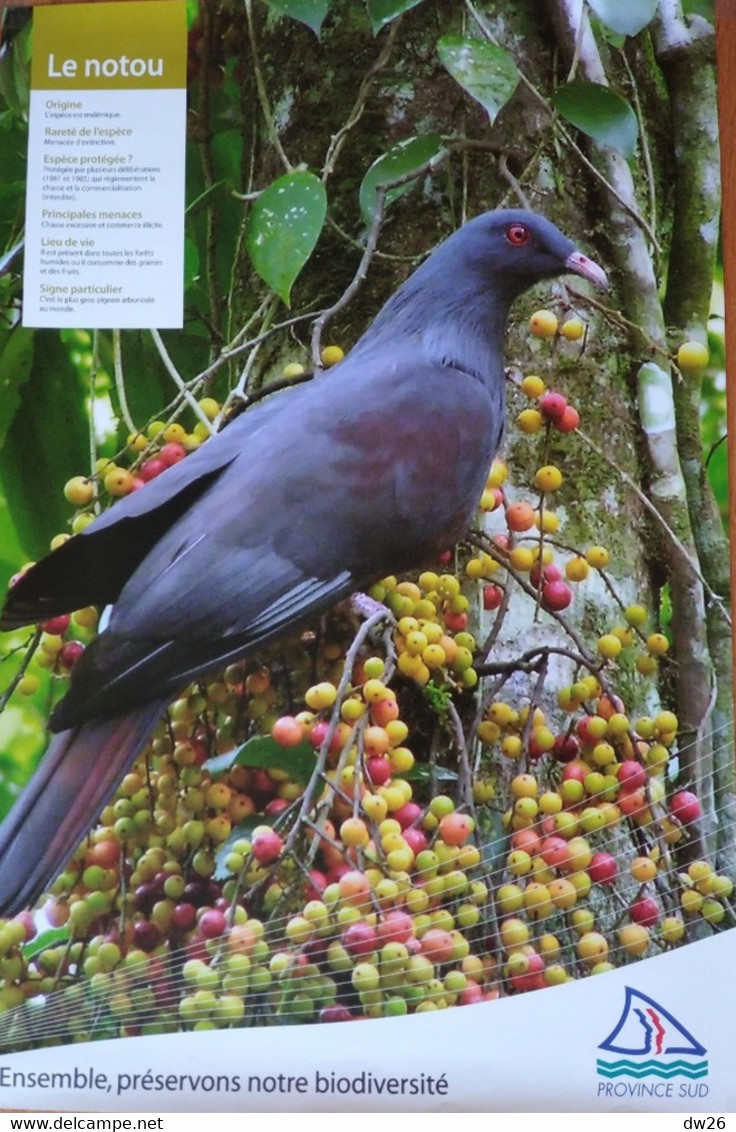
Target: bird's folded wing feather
column 359, row 473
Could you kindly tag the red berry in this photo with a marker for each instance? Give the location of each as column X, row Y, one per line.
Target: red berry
column 359, row 938
column 645, row 911
column 492, row 597
column 569, row 420
column 379, row 770
column 56, row 625
column 287, row 731
column 149, row 469
column 552, row 405
column 685, row 807
column 146, row 935
column 171, row 453
column 70, row 653
column 212, row 923
column 335, row 1014
column 415, row 839
column 267, row 847
column 556, row 595
column 631, row 775
column 550, row 573
column 407, row 814
column 566, row 748
column 456, row 622
column 603, row 868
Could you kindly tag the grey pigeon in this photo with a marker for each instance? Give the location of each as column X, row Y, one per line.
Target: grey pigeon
column 371, row 468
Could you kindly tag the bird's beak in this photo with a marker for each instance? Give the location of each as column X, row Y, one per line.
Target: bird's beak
column 581, row 265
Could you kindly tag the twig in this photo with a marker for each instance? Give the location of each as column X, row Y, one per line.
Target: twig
column 466, row 779
column 381, row 191
column 681, row 549
column 543, row 102
column 117, row 362
column 179, row 381
column 503, row 168
column 643, row 138
column 261, row 88
column 30, row 649
column 338, row 140
column 317, row 774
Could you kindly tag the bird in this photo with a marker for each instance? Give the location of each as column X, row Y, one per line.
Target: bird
column 372, row 467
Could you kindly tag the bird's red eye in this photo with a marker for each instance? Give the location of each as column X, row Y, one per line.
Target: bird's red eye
column 517, row 234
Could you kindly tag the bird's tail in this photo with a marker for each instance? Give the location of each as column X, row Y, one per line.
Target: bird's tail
column 76, row 778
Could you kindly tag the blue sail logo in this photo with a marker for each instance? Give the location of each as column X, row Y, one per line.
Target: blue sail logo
column 653, row 1043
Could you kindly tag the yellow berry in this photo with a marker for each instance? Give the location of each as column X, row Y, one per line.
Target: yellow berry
column 636, row 615
column 533, row 386
column 548, row 521
column 573, row 329
column 646, row 665
column 609, row 646
column 522, row 558
column 118, row 482
column 548, row 478
column 331, row 355
column 79, row 491
column 692, row 357
column 530, row 421
column 597, row 556
column 543, row 324
column 210, row 407
column 657, row 644
column 577, row 569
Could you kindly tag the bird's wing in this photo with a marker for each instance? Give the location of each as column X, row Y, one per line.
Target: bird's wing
column 364, row 471
column 93, row 567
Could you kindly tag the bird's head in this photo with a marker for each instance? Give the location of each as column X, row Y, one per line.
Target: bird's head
column 457, row 302
column 513, row 249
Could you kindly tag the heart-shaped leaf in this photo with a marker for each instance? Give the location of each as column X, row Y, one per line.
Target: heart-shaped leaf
column 626, row 18
column 488, row 73
column 381, row 12
column 285, row 224
column 309, row 12
column 600, row 113
column 264, row 752
column 399, row 161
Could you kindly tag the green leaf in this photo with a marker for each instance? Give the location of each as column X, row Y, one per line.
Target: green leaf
column 704, row 8
column 40, row 942
column 420, row 772
column 16, row 360
column 382, row 12
column 600, row 113
column 46, row 444
column 243, row 830
column 15, row 73
column 626, row 18
column 487, row 72
column 399, row 161
column 285, row 224
column 309, row 12
column 264, row 752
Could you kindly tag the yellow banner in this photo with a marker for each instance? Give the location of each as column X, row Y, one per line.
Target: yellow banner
column 135, row 45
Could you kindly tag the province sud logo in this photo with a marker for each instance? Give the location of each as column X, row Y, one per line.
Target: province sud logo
column 648, row 1041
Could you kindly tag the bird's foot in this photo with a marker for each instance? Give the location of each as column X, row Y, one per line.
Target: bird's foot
column 365, row 607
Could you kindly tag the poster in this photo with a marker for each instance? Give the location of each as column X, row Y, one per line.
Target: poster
column 104, row 205
column 369, row 855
